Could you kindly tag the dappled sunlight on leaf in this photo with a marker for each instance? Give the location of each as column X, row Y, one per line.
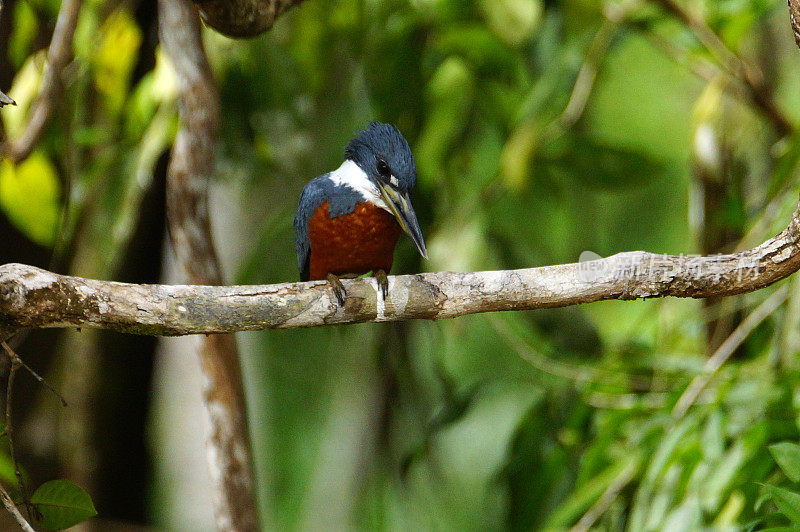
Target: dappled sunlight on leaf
column 514, row 21
column 24, row 90
column 29, row 196
column 115, row 57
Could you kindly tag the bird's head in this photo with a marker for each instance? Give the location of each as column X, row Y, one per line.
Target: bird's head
column 385, row 157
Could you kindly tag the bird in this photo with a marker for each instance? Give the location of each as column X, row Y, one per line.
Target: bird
column 348, row 221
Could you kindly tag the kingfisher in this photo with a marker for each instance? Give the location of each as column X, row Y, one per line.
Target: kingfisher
column 348, row 221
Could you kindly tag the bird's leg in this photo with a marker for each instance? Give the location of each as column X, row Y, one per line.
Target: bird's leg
column 383, row 282
column 338, row 288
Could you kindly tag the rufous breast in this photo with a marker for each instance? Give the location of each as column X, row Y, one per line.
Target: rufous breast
column 355, row 243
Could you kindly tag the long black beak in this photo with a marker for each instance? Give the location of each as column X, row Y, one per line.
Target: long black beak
column 400, row 204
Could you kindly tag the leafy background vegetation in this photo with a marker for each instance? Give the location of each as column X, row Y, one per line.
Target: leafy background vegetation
column 547, row 419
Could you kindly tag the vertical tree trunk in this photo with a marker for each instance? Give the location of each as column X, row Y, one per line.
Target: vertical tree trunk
column 190, row 171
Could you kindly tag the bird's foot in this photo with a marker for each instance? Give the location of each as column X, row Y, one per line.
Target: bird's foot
column 383, row 282
column 338, row 289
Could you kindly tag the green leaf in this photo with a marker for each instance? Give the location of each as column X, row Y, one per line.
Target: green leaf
column 25, row 26
column 24, row 90
column 7, row 472
column 62, row 504
column 514, row 21
column 115, row 57
column 29, row 195
column 788, row 502
column 450, row 94
column 787, row 455
column 518, row 152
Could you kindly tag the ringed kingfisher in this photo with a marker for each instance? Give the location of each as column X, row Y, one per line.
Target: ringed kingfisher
column 348, row 221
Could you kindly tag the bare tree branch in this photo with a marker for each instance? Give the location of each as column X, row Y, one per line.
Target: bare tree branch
column 58, row 56
column 584, row 82
column 242, row 18
column 16, row 363
column 30, row 297
column 190, row 170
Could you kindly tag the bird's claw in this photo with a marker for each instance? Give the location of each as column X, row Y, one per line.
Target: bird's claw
column 383, row 282
column 338, row 289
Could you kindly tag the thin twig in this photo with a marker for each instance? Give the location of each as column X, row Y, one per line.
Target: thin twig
column 578, row 374
column 8, row 502
column 15, row 365
column 702, row 68
column 745, row 72
column 705, row 35
column 727, row 348
column 58, row 56
column 607, row 498
column 584, row 82
column 14, row 356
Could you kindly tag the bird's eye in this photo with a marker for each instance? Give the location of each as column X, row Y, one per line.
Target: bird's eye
column 383, row 169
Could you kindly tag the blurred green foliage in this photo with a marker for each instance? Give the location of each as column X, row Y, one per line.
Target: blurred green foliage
column 534, row 420
column 29, row 195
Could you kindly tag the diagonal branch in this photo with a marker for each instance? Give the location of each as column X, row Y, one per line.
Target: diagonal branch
column 746, row 73
column 242, row 18
column 8, row 502
column 727, row 348
column 30, row 297
column 189, row 174
column 58, row 56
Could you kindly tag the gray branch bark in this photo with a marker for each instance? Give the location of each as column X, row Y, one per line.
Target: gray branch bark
column 8, row 502
column 242, row 18
column 30, row 297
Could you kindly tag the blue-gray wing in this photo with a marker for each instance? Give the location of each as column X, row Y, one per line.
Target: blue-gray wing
column 342, row 200
column 314, row 194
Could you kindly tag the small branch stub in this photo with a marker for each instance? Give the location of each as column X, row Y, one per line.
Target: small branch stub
column 242, row 18
column 5, row 100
